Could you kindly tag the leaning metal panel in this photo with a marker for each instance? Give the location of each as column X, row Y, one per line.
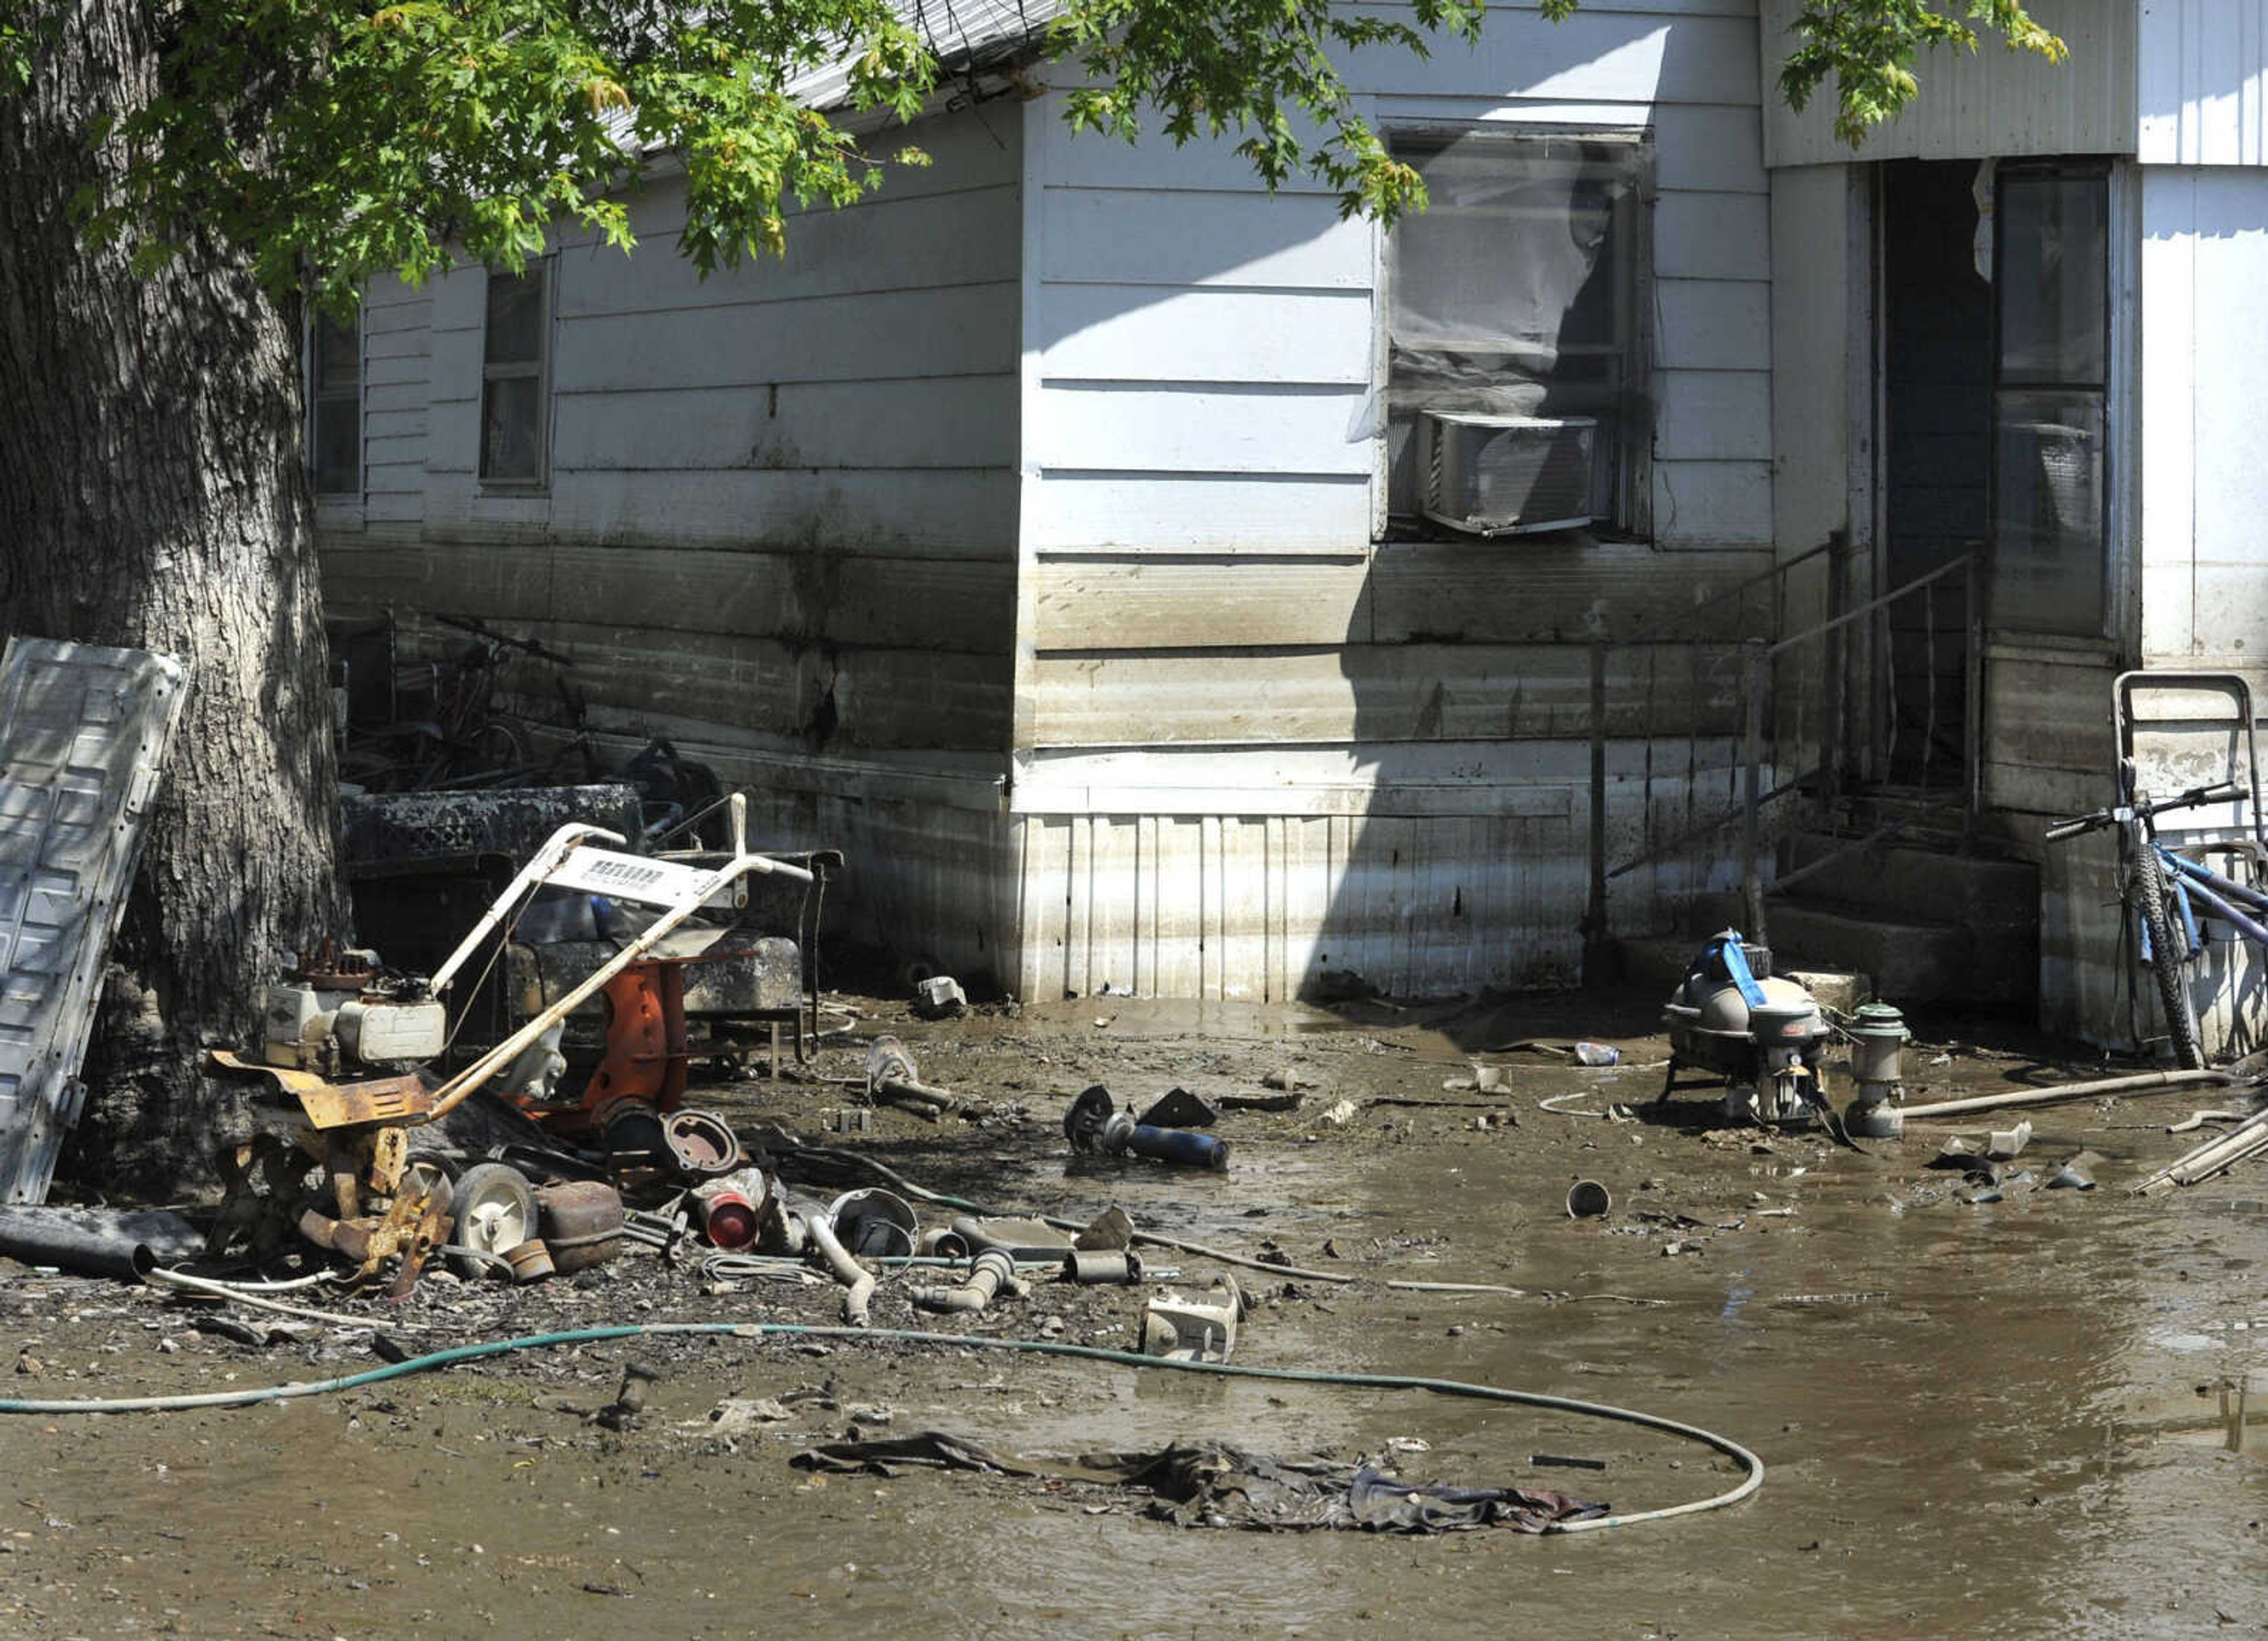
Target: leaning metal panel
column 82, row 738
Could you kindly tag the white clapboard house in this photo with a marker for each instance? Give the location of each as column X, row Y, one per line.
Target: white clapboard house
column 1157, row 583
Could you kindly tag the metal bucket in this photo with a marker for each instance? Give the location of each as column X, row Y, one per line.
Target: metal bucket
column 582, row 1223
column 874, row 1224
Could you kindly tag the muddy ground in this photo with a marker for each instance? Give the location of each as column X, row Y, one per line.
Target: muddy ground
column 1994, row 1418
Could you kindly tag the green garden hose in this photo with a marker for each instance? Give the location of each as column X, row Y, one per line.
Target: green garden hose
column 1752, row 1467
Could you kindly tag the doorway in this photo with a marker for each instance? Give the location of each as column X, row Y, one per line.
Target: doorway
column 1996, row 350
column 1936, row 370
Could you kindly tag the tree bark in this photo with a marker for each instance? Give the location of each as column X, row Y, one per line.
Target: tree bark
column 152, row 495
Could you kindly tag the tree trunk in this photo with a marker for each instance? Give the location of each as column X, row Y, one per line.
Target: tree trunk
column 153, row 496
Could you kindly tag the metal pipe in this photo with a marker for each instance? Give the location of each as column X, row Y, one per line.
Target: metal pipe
column 545, row 861
column 2141, row 1083
column 918, row 1098
column 451, row 1094
column 995, row 1269
column 2193, row 880
column 97, row 1241
column 1595, row 947
column 1872, row 604
column 1972, row 666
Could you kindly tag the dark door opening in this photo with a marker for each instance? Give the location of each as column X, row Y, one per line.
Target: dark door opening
column 1937, row 457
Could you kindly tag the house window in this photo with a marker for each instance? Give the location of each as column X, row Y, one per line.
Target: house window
column 1516, row 303
column 335, row 403
column 2051, row 254
column 513, row 396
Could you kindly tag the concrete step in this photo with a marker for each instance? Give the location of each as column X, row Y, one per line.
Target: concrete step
column 1659, row 964
column 1912, row 961
column 1915, row 883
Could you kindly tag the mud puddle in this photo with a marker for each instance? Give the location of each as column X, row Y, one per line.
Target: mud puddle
column 2005, row 1419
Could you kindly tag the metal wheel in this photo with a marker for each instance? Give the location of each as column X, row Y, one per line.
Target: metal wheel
column 495, row 1207
column 2167, row 953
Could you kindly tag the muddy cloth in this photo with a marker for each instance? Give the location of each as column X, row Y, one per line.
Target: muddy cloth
column 1211, row 1485
column 928, row 1450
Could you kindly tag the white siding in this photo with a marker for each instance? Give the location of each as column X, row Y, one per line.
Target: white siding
column 396, row 366
column 1255, row 748
column 2201, row 64
column 859, row 390
column 781, row 501
column 1251, row 318
column 2204, row 376
column 1992, row 102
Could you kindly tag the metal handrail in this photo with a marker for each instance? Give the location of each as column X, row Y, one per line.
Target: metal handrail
column 1739, row 589
column 1881, row 601
column 1758, row 654
column 1756, row 680
column 1593, row 925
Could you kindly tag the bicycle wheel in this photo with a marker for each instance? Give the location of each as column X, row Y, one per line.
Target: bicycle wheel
column 2166, row 954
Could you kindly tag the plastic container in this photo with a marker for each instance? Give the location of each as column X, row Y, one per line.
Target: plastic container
column 1587, row 1199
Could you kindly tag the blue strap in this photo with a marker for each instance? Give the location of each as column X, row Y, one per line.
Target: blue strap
column 1736, row 964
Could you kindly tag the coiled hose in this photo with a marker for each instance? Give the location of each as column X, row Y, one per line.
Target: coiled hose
column 1752, row 1467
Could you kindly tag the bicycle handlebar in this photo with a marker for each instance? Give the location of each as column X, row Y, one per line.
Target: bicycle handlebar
column 480, row 628
column 2220, row 792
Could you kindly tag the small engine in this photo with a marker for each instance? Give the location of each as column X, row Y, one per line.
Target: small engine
column 340, row 1009
column 1765, row 1037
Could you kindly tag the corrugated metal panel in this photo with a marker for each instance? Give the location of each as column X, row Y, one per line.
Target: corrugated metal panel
column 2201, row 66
column 1255, row 874
column 1266, row 906
column 82, row 738
column 1994, row 102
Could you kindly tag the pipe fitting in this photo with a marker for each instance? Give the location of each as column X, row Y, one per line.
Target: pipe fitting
column 993, row 1273
column 1087, row 1266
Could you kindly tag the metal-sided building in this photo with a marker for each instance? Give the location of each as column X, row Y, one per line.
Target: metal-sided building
column 1062, row 531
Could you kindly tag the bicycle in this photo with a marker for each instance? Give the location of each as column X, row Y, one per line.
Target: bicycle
column 2163, row 888
column 468, row 736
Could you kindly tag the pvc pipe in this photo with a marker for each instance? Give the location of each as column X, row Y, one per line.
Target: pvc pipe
column 858, row 1280
column 1166, row 1144
column 1152, row 1238
column 2138, row 1084
column 995, row 1269
column 153, row 1272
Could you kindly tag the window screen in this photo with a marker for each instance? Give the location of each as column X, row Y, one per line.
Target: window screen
column 512, row 377
column 1516, row 292
column 334, row 396
column 2052, row 233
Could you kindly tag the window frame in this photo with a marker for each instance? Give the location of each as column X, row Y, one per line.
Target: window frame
column 322, row 393
column 2102, row 388
column 1630, row 491
column 539, row 370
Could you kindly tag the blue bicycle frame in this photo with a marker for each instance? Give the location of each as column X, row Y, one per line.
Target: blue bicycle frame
column 2186, row 878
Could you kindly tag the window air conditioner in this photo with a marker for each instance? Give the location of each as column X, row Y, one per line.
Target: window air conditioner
column 1508, row 474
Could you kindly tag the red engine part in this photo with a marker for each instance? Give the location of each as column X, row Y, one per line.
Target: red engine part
column 646, row 1057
